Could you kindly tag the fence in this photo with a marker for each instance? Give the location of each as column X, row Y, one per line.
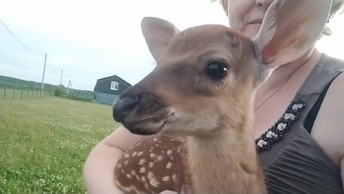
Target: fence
column 23, row 93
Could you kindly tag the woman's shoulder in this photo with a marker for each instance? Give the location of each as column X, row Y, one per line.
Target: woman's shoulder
column 332, row 62
column 328, row 128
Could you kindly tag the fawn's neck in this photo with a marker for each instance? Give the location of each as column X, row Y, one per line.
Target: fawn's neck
column 223, row 163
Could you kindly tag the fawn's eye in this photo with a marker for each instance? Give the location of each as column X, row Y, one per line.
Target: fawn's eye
column 217, row 69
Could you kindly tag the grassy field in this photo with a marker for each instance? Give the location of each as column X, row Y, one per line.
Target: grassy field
column 44, row 143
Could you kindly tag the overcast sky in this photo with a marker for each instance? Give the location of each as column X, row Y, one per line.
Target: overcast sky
column 94, row 39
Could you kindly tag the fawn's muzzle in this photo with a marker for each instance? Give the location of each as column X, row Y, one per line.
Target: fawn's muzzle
column 127, row 103
column 123, row 107
column 139, row 109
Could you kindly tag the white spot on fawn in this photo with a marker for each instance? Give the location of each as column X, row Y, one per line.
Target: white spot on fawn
column 128, row 176
column 126, row 162
column 151, row 164
column 152, row 180
column 152, row 155
column 143, row 179
column 159, row 158
column 140, row 154
column 166, row 178
column 169, row 152
column 142, row 170
column 142, row 161
column 134, row 153
column 126, row 155
column 129, row 189
column 168, row 165
column 132, row 172
column 174, row 177
column 155, row 139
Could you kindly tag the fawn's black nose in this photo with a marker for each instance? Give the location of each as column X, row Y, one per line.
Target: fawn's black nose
column 124, row 106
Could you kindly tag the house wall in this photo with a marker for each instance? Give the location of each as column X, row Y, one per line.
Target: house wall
column 106, row 98
column 104, row 93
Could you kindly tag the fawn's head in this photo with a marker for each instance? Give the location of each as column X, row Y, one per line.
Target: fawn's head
column 206, row 76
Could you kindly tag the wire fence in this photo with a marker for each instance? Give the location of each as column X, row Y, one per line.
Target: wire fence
column 11, row 93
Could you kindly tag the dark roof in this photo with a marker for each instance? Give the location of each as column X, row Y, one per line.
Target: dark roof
column 103, row 85
column 113, row 76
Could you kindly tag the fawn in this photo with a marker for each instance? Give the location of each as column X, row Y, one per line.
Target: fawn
column 196, row 107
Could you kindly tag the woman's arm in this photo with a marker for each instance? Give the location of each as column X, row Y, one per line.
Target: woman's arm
column 328, row 129
column 100, row 164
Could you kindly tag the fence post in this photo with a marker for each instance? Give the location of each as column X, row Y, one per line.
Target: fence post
column 27, row 92
column 5, row 92
column 14, row 92
column 21, row 93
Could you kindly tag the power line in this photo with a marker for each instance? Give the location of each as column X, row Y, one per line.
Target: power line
column 51, row 66
column 45, row 55
column 19, row 40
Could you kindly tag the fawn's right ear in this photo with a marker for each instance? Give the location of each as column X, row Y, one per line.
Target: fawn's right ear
column 158, row 34
column 289, row 29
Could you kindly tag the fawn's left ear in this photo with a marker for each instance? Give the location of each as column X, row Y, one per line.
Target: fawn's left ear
column 289, row 29
column 158, row 34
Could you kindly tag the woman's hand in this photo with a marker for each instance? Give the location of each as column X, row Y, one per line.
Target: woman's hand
column 99, row 166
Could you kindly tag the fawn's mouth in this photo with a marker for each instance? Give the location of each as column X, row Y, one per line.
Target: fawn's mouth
column 146, row 126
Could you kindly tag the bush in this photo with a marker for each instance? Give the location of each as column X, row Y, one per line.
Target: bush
column 74, row 95
column 60, row 91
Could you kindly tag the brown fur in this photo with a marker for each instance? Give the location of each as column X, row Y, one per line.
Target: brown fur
column 217, row 148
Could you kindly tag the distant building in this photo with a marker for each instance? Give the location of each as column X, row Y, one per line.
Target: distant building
column 108, row 89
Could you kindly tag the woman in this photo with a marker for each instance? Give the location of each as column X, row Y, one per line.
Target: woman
column 310, row 157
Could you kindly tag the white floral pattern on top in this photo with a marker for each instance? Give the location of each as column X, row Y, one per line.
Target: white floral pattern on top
column 276, row 132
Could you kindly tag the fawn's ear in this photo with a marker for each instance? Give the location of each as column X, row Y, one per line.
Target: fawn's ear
column 158, row 34
column 289, row 29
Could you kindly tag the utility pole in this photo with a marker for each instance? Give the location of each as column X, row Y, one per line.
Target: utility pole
column 45, row 63
column 61, row 77
column 69, row 86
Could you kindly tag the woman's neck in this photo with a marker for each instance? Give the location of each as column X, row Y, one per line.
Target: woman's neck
column 283, row 76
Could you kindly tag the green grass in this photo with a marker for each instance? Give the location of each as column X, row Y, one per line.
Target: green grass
column 44, row 143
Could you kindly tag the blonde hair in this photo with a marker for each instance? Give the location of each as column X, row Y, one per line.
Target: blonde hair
column 337, row 6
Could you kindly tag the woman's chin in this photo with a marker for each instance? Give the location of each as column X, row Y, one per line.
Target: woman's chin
column 252, row 30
